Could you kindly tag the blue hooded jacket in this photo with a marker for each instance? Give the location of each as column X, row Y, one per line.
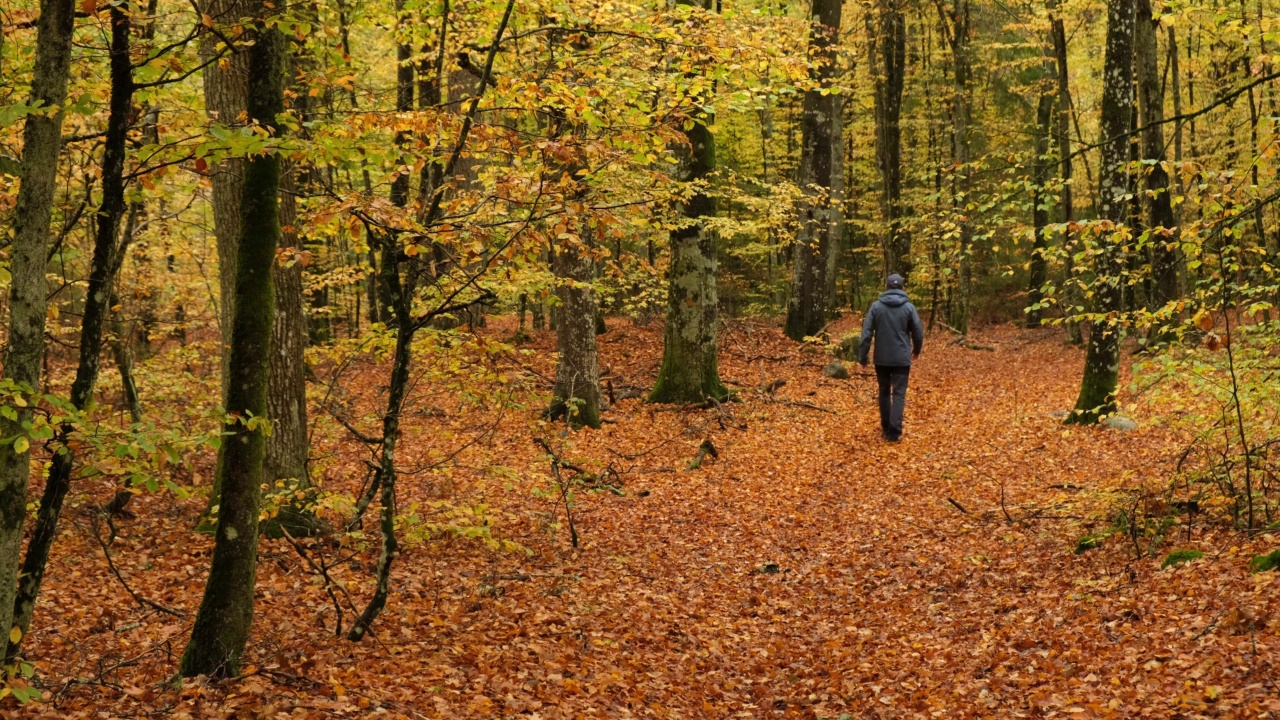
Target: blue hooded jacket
column 895, row 325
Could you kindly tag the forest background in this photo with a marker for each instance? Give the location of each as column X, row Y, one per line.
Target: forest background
column 342, row 275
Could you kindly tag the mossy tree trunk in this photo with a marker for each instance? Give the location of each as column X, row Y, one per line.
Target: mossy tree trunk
column 222, row 624
column 108, row 253
column 690, row 352
column 227, row 87
column 28, row 292
column 1102, row 360
column 807, row 307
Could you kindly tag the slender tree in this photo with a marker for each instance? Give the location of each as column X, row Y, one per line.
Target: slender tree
column 222, row 624
column 889, row 43
column 807, row 308
column 955, row 23
column 1040, row 210
column 1158, row 201
column 28, row 294
column 1102, row 360
column 1062, row 132
column 108, row 253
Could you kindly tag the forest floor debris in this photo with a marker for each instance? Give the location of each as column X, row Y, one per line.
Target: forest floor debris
column 806, row 569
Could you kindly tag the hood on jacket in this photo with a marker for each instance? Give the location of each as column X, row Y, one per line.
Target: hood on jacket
column 894, row 298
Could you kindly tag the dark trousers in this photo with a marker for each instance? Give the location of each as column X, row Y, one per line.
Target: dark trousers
column 893, row 398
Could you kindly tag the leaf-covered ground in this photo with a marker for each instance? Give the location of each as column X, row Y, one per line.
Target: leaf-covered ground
column 809, row 571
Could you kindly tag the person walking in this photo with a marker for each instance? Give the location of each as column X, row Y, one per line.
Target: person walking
column 895, row 325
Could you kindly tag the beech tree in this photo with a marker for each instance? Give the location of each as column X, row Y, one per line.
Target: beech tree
column 807, row 308
column 222, row 624
column 1101, row 366
column 690, row 352
column 28, row 295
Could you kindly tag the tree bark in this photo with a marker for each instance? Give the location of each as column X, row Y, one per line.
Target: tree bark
column 807, row 307
column 1063, row 132
column 577, row 390
column 890, row 45
column 1102, row 360
column 28, row 292
column 1039, row 211
column 958, row 24
column 1163, row 227
column 107, row 256
column 222, row 624
column 690, row 352
column 286, row 454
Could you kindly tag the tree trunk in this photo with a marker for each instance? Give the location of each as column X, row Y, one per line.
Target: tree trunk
column 690, row 353
column 577, row 389
column 1163, row 227
column 962, row 181
column 839, row 190
column 222, row 624
column 227, row 89
column 1102, row 361
column 28, row 293
column 107, row 255
column 807, row 308
column 891, row 56
column 1063, row 130
column 286, row 455
column 385, row 477
column 1039, row 211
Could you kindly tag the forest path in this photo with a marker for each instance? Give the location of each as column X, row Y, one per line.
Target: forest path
column 810, row 571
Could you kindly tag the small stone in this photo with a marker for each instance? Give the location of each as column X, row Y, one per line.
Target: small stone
column 836, row 370
column 1121, row 423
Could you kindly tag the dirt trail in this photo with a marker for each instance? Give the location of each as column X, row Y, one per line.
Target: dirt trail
column 811, row 570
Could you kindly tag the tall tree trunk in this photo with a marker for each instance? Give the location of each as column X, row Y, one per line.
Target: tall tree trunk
column 1102, row 360
column 890, row 44
column 222, row 624
column 1063, row 130
column 1162, row 225
column 28, row 292
column 807, row 308
column 107, row 256
column 1040, row 211
column 839, row 191
column 286, row 454
column 690, row 353
column 577, row 390
column 227, row 86
column 958, row 24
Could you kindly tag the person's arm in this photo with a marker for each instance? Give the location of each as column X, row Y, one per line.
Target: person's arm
column 868, row 329
column 917, row 333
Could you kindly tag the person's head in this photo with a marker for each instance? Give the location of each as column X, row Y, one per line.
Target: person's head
column 894, row 282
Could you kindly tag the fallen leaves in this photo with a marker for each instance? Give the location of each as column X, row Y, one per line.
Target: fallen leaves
column 807, row 571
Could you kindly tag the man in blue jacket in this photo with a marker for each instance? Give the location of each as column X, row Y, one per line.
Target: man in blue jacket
column 899, row 336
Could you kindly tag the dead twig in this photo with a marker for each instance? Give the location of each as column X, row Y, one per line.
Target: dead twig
column 145, row 602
